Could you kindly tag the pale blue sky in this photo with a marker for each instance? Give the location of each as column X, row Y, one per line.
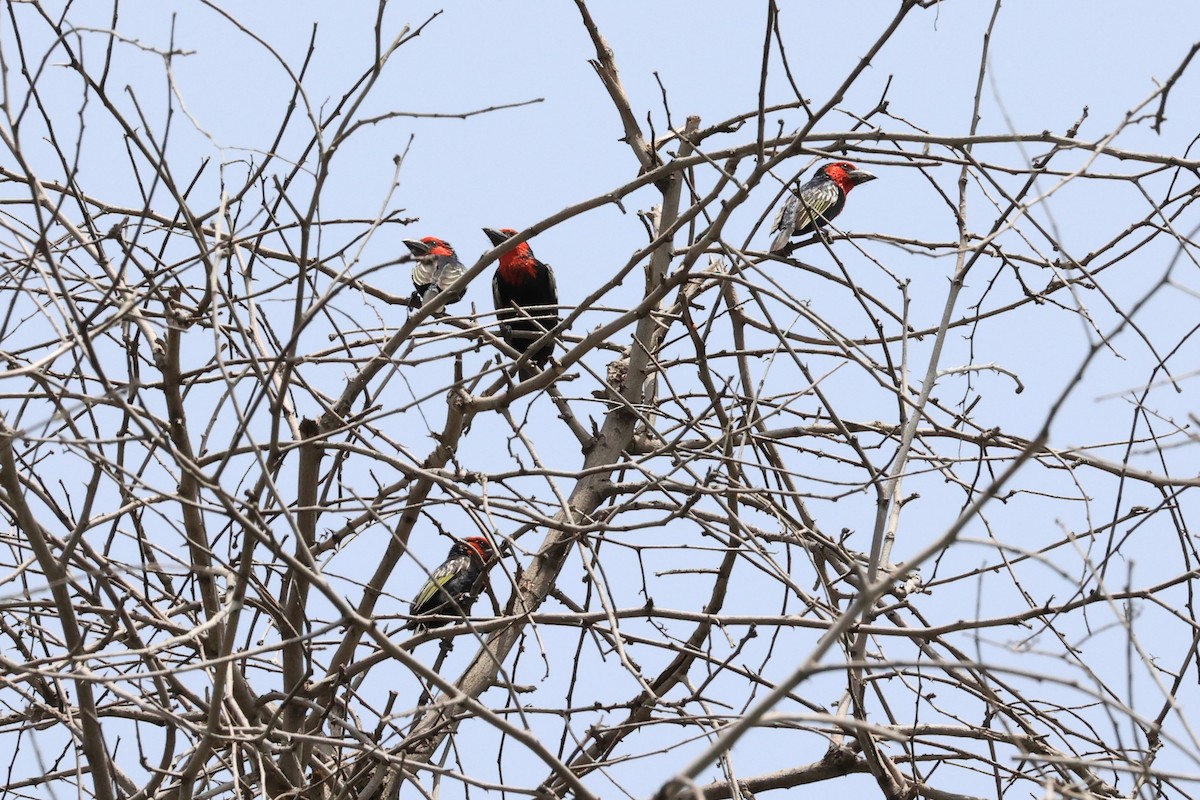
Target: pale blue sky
column 514, row 167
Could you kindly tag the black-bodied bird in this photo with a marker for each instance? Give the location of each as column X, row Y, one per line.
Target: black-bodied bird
column 816, row 202
column 435, row 268
column 453, row 586
column 526, row 296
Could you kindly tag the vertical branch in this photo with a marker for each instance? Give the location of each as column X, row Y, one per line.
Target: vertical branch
column 199, row 549
column 297, row 660
column 891, row 498
column 889, row 503
column 606, row 68
column 91, row 735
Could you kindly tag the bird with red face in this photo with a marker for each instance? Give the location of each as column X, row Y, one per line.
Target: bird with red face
column 526, row 296
column 817, row 202
column 453, row 587
column 435, row 268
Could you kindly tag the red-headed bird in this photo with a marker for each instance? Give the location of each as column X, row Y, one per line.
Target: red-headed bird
column 453, row 586
column 436, row 267
column 526, row 296
column 816, row 202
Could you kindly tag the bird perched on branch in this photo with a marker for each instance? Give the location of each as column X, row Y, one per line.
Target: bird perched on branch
column 436, row 267
column 816, row 202
column 526, row 296
column 453, row 586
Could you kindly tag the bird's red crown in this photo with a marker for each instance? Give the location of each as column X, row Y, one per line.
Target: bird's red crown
column 481, row 546
column 839, row 173
column 438, row 247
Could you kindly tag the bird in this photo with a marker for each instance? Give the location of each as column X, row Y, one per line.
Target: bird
column 436, row 267
column 526, row 296
column 453, row 586
column 817, row 202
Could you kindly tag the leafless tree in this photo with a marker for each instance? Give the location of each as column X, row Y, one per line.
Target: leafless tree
column 763, row 522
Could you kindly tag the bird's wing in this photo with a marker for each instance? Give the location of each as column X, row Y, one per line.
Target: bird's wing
column 814, row 202
column 450, row 269
column 785, row 222
column 422, row 273
column 437, row 579
column 553, row 290
column 503, row 306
